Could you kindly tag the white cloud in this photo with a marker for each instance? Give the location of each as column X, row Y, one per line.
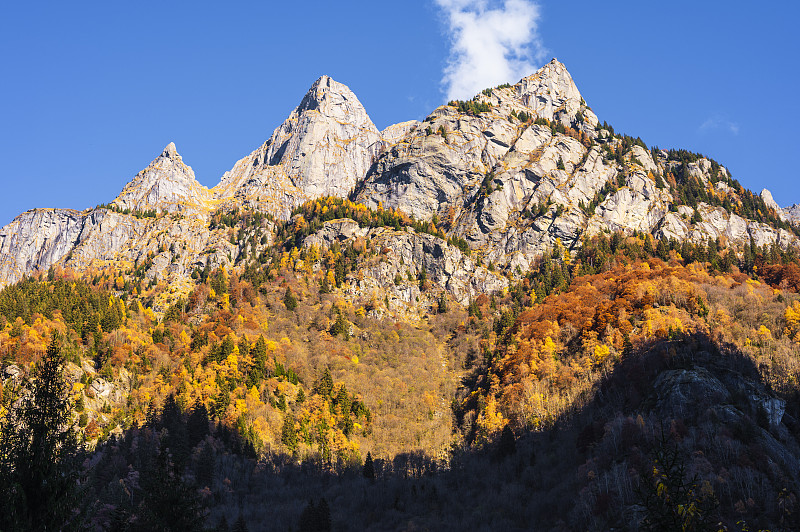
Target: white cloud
column 489, row 45
column 719, row 123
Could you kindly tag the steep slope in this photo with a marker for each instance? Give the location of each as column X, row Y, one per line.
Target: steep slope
column 36, row 239
column 510, row 173
column 520, row 167
column 124, row 234
column 790, row 214
column 167, row 185
column 322, row 149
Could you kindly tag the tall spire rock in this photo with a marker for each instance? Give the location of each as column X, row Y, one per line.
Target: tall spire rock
column 551, row 93
column 324, row 147
column 167, row 184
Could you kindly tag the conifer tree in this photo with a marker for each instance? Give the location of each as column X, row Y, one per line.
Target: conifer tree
column 324, row 386
column 168, row 503
column 508, row 443
column 369, row 468
column 197, row 424
column 38, row 452
column 289, row 299
column 288, row 433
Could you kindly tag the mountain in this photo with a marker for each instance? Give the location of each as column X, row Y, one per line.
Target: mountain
column 507, row 316
column 322, row 149
column 167, row 185
column 510, row 172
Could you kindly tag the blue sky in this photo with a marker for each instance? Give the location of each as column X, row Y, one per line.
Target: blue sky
column 91, row 92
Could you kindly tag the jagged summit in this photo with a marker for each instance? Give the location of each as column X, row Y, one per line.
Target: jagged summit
column 170, row 151
column 510, row 172
column 323, row 148
column 330, row 97
column 167, row 184
column 787, row 214
column 552, row 94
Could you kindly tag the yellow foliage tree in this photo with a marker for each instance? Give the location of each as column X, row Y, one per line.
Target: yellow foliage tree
column 792, row 316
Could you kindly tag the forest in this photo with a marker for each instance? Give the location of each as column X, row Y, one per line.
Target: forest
column 269, row 399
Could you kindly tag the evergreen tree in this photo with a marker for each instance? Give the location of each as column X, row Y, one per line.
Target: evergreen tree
column 315, row 518
column 442, row 304
column 177, row 437
column 222, row 526
column 204, row 470
column 289, row 299
column 340, row 326
column 508, row 443
column 197, row 424
column 38, row 452
column 662, row 250
column 324, row 386
column 288, row 433
column 369, row 468
column 168, row 503
column 244, row 347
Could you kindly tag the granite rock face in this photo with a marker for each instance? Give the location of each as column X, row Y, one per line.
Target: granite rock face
column 788, row 214
column 766, row 195
column 793, row 213
column 167, row 185
column 37, row 239
column 322, row 149
column 407, row 254
column 514, row 172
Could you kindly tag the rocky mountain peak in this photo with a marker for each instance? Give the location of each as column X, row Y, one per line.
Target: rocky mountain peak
column 170, row 151
column 167, row 184
column 552, row 94
column 790, row 214
column 331, row 98
column 170, row 159
column 766, row 195
column 324, row 147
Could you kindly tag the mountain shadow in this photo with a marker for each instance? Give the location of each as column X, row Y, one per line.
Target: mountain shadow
column 682, row 434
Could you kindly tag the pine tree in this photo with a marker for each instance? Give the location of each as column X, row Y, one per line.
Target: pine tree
column 508, row 443
column 38, row 452
column 289, row 299
column 324, row 386
column 222, row 526
column 168, row 503
column 288, row 433
column 369, row 468
column 197, row 424
column 315, row 518
column 204, row 470
column 442, row 304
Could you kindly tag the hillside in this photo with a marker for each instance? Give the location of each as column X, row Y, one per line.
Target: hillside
column 467, row 322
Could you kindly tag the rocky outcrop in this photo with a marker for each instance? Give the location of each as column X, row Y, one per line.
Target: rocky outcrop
column 167, row 185
column 770, row 202
column 403, row 256
column 789, row 214
column 490, row 171
column 793, row 213
column 717, row 222
column 171, row 246
column 551, row 93
column 323, row 148
column 37, row 239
